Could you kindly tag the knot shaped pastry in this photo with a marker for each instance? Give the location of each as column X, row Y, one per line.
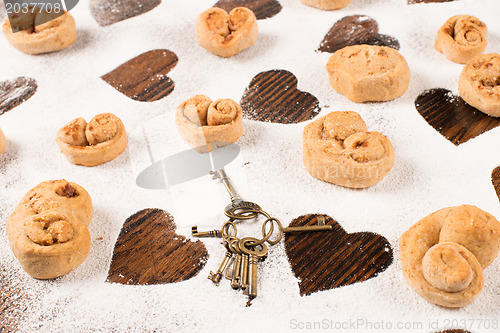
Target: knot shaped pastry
column 226, row 34
column 35, row 37
column 337, row 148
column 461, row 38
column 206, row 125
column 327, row 4
column 479, row 83
column 366, row 73
column 3, row 142
column 101, row 140
column 444, row 254
column 48, row 229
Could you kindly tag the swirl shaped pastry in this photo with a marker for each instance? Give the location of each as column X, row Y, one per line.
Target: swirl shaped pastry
column 461, row 38
column 35, row 37
column 48, row 229
column 327, row 4
column 226, row 34
column 206, row 125
column 337, row 148
column 101, row 140
column 479, row 83
column 444, row 254
column 367, row 73
column 3, row 142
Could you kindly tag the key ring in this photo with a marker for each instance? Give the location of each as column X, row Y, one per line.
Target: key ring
column 242, row 246
column 280, row 227
column 225, row 229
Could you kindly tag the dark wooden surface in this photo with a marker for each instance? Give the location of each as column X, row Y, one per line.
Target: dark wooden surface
column 144, row 78
column 495, row 179
column 107, row 12
column 332, row 259
column 273, row 96
column 448, row 114
column 15, row 92
column 427, row 1
column 262, row 9
column 454, row 331
column 148, row 251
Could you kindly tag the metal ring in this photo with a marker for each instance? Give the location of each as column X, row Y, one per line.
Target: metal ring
column 232, row 245
column 245, row 250
column 268, row 235
column 241, row 213
column 225, row 229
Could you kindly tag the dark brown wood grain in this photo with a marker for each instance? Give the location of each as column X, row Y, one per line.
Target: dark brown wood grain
column 410, row 2
column 273, row 96
column 144, row 78
column 148, row 251
column 107, row 12
column 13, row 301
column 448, row 114
column 454, row 331
column 495, row 179
column 262, row 9
column 331, row 259
column 15, row 92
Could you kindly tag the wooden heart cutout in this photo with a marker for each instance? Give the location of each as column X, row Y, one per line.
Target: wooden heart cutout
column 144, row 78
column 355, row 30
column 107, row 12
column 411, row 2
column 148, row 251
column 15, row 92
column 456, row 120
column 262, row 9
column 273, row 96
column 495, row 179
column 332, row 259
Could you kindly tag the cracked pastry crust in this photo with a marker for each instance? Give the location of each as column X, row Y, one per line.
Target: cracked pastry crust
column 479, row 83
column 226, row 34
column 327, row 4
column 461, row 38
column 48, row 229
column 337, row 148
column 366, row 73
column 3, row 142
column 101, row 140
column 206, row 125
column 444, row 254
column 55, row 34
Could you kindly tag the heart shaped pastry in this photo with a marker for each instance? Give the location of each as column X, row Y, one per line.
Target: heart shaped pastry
column 495, row 179
column 15, row 92
column 262, row 9
column 332, row 259
column 226, row 34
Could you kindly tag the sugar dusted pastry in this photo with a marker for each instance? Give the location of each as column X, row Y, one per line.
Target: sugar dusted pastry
column 205, row 125
column 101, row 140
column 337, row 148
column 327, row 4
column 3, row 142
column 479, row 83
column 367, row 73
column 226, row 34
column 461, row 38
column 444, row 254
column 48, row 229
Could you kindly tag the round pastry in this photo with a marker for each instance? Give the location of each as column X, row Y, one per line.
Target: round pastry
column 366, row 73
column 327, row 4
column 461, row 38
column 226, row 34
column 479, row 83
column 35, row 37
column 444, row 254
column 337, row 148
column 101, row 140
column 206, row 125
column 48, row 229
column 3, row 142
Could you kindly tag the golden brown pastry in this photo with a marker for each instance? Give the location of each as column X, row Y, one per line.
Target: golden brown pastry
column 327, row 4
column 48, row 229
column 367, row 73
column 101, row 140
column 461, row 38
column 337, row 148
column 57, row 33
column 226, row 34
column 479, row 83
column 444, row 254
column 3, row 142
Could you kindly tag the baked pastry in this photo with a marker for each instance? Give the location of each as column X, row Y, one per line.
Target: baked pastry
column 226, row 34
column 337, row 148
column 367, row 73
column 327, row 4
column 28, row 33
column 3, row 142
column 461, row 38
column 48, row 229
column 479, row 83
column 101, row 140
column 444, row 254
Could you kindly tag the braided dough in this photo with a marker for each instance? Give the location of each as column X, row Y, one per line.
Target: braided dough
column 57, row 33
column 226, row 34
column 444, row 254
column 48, row 229
column 479, row 83
column 206, row 125
column 3, row 142
column 461, row 38
column 338, row 149
column 366, row 73
column 327, row 4
column 101, row 140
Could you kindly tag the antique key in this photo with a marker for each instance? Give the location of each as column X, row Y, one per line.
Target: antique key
column 216, row 277
column 253, row 257
column 236, row 279
column 244, row 271
column 211, row 233
column 321, row 226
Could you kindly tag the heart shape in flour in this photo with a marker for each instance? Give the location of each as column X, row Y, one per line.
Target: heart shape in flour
column 262, row 9
column 495, row 179
column 107, row 12
column 448, row 114
column 148, row 251
column 15, row 92
column 332, row 259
